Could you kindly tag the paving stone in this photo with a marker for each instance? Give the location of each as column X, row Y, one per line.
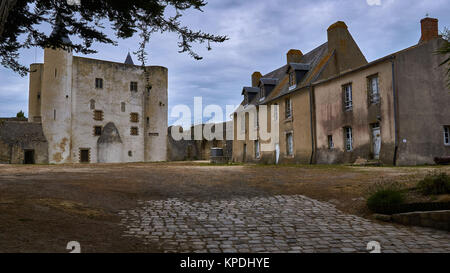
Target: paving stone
column 292, row 223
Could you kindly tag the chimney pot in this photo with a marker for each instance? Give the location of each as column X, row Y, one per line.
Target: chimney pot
column 430, row 29
column 294, row 56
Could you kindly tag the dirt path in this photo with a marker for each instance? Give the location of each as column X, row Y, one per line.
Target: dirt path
column 43, row 207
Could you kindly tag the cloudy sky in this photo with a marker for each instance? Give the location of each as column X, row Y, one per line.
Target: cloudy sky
column 261, row 32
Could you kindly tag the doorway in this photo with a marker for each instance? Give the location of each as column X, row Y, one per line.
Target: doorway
column 244, row 153
column 376, row 140
column 28, row 157
column 84, row 156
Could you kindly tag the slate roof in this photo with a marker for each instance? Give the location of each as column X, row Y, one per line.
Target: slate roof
column 269, row 81
column 300, row 66
column 250, row 90
column 314, row 61
column 15, row 132
column 129, row 60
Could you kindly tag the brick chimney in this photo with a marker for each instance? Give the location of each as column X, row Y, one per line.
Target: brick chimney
column 256, row 77
column 430, row 29
column 294, row 56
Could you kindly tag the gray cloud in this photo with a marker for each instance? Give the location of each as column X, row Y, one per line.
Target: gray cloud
column 260, row 32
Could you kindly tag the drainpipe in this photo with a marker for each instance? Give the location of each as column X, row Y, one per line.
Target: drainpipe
column 394, row 95
column 311, row 120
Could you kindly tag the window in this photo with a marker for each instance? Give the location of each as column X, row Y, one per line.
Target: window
column 288, row 106
column 130, row 153
column 98, row 115
column 92, row 104
column 85, row 156
column 289, row 144
column 257, row 152
column 373, row 90
column 134, row 131
column 447, row 135
column 148, row 121
column 97, row 130
column 262, row 93
column 348, row 103
column 134, row 117
column 330, row 142
column 348, row 139
column 122, row 106
column 54, row 114
column 98, row 83
column 292, row 82
column 133, row 86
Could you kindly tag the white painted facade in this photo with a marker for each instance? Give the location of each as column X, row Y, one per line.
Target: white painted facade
column 61, row 94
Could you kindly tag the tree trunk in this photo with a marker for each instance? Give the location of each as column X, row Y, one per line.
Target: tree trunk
column 5, row 7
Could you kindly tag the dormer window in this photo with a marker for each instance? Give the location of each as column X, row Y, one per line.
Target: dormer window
column 292, row 81
column 262, row 93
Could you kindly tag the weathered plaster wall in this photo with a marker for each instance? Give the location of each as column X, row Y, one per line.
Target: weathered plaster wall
column 67, row 90
column 34, row 96
column 56, row 105
column 18, row 136
column 423, row 104
column 331, row 117
column 116, row 89
column 156, row 111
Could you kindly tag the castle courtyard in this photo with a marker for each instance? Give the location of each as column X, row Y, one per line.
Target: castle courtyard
column 195, row 206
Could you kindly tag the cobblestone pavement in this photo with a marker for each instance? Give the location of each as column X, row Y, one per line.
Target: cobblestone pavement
column 269, row 224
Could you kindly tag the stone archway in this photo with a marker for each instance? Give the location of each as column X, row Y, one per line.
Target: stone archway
column 109, row 145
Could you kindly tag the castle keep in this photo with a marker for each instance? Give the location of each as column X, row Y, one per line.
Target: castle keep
column 99, row 111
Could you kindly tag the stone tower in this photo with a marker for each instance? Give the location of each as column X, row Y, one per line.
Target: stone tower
column 56, row 96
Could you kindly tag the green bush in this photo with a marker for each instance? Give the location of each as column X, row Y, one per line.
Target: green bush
column 435, row 183
column 384, row 195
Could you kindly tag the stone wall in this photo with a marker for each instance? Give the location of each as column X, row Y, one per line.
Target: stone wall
column 434, row 219
column 196, row 149
column 16, row 137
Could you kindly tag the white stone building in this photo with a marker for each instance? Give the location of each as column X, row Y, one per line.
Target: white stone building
column 95, row 111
